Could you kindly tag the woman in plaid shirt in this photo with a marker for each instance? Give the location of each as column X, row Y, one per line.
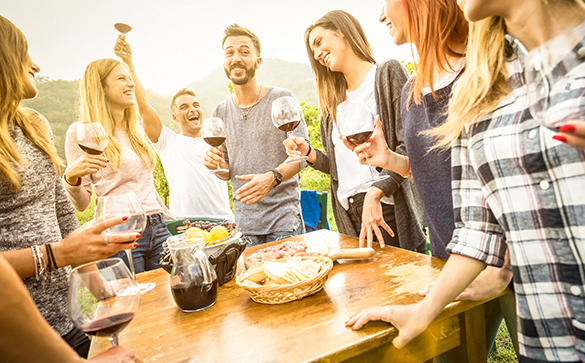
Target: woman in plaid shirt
column 513, row 181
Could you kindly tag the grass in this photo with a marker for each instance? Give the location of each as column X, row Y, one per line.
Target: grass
column 504, row 350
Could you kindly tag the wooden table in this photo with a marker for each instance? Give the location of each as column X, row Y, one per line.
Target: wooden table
column 236, row 329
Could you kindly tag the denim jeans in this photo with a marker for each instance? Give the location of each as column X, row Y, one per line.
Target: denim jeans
column 145, row 256
column 298, row 228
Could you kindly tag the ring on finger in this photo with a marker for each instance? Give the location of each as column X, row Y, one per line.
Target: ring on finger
column 106, row 240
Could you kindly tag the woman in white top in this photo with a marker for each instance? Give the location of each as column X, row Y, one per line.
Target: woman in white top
column 107, row 97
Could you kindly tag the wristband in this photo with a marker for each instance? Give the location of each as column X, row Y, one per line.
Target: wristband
column 308, row 152
column 408, row 173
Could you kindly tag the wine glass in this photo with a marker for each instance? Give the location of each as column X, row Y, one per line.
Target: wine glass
column 119, row 206
column 554, row 77
column 356, row 122
column 123, row 29
column 286, row 116
column 93, row 140
column 103, row 298
column 214, row 134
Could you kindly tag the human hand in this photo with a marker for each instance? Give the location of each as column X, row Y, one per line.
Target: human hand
column 257, row 187
column 117, row 354
column 123, row 50
column 572, row 134
column 489, row 283
column 84, row 165
column 373, row 218
column 296, row 146
column 410, row 320
column 88, row 244
column 375, row 148
column 214, row 158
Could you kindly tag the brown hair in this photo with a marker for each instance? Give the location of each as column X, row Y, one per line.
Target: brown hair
column 235, row 30
column 184, row 91
column 332, row 86
column 13, row 62
column 434, row 27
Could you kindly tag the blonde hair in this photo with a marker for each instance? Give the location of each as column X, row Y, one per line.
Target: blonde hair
column 96, row 108
column 332, row 86
column 13, row 63
column 485, row 81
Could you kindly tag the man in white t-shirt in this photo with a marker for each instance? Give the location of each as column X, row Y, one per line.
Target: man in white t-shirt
column 194, row 192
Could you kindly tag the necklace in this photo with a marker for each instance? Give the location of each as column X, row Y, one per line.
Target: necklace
column 249, row 108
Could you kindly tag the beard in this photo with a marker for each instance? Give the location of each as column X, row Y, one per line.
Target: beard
column 248, row 73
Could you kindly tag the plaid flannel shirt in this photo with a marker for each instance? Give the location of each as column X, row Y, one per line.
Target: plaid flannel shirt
column 516, row 187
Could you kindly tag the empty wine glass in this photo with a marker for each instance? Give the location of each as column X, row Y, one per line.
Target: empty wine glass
column 356, row 122
column 123, row 29
column 214, row 134
column 124, row 205
column 92, row 139
column 286, row 116
column 103, row 298
column 554, row 77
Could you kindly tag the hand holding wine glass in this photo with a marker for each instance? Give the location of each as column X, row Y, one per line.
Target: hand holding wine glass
column 103, row 298
column 286, row 116
column 93, row 140
column 214, row 134
column 129, row 206
column 355, row 121
column 122, row 50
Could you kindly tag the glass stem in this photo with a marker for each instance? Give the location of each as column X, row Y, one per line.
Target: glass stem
column 113, row 340
column 370, row 165
column 129, row 253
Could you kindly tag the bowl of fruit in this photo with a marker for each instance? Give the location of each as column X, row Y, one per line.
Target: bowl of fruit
column 216, row 232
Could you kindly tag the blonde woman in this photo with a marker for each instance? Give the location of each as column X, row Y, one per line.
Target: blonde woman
column 512, row 182
column 107, row 97
column 39, row 234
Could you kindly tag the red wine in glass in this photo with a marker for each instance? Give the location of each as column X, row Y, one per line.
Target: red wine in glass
column 108, row 326
column 93, row 140
column 214, row 133
column 286, row 116
column 356, row 121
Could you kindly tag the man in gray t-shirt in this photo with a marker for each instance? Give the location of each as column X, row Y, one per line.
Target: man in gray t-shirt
column 266, row 190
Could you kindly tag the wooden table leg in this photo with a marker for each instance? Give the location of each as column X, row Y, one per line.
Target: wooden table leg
column 473, row 346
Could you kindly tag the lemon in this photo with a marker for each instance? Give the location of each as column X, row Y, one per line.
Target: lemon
column 219, row 232
column 193, row 229
column 208, row 237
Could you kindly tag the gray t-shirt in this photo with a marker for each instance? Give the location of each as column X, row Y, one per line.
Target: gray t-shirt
column 254, row 146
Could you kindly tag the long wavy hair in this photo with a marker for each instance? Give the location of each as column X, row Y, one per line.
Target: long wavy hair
column 332, row 86
column 435, row 27
column 13, row 72
column 96, row 108
column 485, row 81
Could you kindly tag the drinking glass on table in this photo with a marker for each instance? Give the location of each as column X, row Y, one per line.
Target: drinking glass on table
column 119, row 206
column 286, row 116
column 214, row 134
column 92, row 139
column 356, row 122
column 103, row 298
column 554, row 77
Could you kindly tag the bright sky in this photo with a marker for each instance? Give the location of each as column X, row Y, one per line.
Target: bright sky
column 176, row 42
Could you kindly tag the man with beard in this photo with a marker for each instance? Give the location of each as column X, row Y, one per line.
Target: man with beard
column 267, row 196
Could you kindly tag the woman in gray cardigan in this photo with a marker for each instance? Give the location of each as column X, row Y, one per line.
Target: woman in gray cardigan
column 342, row 62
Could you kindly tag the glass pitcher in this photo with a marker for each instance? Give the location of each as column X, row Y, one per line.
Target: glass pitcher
column 193, row 280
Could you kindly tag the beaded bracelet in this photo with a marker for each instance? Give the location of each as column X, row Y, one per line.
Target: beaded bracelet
column 40, row 263
column 408, row 173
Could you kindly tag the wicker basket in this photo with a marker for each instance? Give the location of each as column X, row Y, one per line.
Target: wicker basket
column 280, row 294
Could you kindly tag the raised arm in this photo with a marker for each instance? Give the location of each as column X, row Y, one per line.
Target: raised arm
column 150, row 119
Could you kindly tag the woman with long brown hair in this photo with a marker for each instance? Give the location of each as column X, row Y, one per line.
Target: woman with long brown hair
column 39, row 234
column 344, row 67
column 516, row 186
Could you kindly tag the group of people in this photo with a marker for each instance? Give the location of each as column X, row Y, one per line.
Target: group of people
column 500, row 194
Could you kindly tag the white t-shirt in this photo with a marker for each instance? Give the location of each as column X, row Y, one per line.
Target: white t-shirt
column 349, row 171
column 194, row 192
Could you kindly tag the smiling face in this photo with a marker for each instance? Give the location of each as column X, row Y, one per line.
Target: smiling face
column 187, row 114
column 240, row 59
column 30, row 68
column 394, row 16
column 119, row 88
column 329, row 48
